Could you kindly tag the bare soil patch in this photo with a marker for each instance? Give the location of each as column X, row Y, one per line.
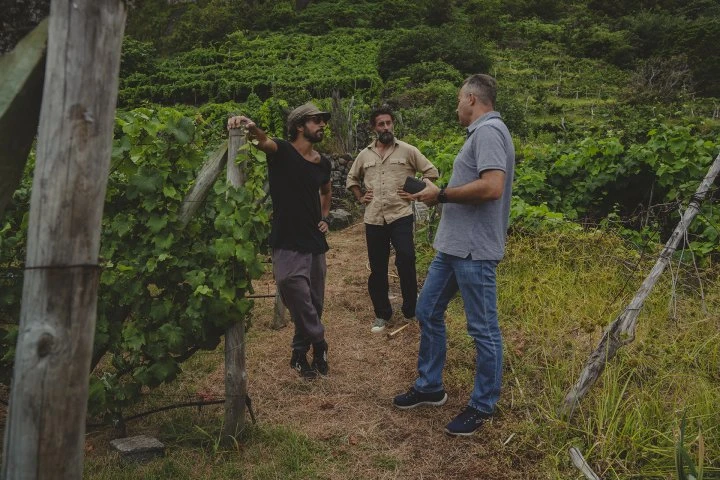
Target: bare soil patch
column 350, row 411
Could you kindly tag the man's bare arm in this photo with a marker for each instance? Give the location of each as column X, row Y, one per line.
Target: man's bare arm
column 488, row 187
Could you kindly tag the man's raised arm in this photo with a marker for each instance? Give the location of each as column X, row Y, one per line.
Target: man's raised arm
column 264, row 143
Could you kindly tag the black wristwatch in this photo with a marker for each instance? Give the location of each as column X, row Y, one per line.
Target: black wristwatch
column 325, row 219
column 442, row 196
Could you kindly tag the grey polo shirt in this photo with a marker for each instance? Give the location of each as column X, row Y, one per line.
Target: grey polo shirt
column 479, row 231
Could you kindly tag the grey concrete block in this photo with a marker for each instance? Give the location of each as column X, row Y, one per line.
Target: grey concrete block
column 139, row 449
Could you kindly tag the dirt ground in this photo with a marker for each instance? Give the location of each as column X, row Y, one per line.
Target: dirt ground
column 351, row 409
column 353, row 404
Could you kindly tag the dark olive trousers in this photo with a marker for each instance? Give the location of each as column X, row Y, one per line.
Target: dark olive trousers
column 379, row 238
column 300, row 279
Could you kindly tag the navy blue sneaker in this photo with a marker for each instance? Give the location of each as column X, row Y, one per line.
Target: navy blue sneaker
column 413, row 399
column 467, row 422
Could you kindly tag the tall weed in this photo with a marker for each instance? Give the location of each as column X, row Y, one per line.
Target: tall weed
column 557, row 292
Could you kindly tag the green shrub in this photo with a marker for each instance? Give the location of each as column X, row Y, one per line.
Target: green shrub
column 701, row 43
column 462, row 50
column 136, row 57
column 599, row 41
column 419, row 74
column 528, row 32
column 543, row 9
column 320, row 16
column 429, row 107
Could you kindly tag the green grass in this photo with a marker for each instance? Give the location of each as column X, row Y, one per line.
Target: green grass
column 557, row 292
column 195, row 451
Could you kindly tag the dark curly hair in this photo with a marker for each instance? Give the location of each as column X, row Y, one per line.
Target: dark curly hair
column 381, row 110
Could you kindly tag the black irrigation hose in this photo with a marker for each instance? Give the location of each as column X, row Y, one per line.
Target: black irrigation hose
column 248, row 403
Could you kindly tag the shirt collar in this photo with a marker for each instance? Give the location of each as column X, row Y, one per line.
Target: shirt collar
column 372, row 144
column 471, row 128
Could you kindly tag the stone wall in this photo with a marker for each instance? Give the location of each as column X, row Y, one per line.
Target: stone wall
column 338, row 176
column 344, row 210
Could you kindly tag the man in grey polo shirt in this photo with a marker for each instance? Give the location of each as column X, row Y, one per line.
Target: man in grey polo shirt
column 470, row 242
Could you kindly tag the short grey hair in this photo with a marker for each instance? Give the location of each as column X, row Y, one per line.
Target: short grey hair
column 483, row 86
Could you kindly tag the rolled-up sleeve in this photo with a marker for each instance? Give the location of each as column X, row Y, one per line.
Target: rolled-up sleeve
column 354, row 178
column 425, row 166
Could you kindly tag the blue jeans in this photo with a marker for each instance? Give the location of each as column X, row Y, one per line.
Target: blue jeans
column 476, row 281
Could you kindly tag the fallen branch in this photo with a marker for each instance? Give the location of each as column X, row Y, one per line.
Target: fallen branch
column 396, row 331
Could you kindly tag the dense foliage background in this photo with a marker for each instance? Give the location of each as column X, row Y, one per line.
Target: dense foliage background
column 582, row 84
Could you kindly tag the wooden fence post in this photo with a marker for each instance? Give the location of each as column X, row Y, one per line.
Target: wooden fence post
column 622, row 330
column 235, row 373
column 45, row 432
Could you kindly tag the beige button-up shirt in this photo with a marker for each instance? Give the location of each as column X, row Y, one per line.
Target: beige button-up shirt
column 384, row 176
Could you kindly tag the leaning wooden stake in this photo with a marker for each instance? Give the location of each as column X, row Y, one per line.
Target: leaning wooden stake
column 203, row 183
column 622, row 330
column 579, row 461
column 45, row 431
column 21, row 86
column 235, row 373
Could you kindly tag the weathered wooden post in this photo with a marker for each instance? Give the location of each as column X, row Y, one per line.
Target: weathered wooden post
column 45, row 432
column 235, row 373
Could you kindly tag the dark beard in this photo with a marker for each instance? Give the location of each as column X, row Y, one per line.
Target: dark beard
column 316, row 137
column 386, row 138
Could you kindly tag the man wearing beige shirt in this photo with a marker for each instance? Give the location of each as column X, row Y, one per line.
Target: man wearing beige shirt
column 383, row 167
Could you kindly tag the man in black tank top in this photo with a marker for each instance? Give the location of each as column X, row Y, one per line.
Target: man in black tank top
column 300, row 192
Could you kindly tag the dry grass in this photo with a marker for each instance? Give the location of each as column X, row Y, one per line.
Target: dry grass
column 556, row 294
column 351, row 408
column 349, row 412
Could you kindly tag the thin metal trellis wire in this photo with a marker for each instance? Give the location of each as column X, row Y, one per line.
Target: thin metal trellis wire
column 672, row 301
column 667, row 208
column 697, row 199
column 703, row 303
column 628, row 278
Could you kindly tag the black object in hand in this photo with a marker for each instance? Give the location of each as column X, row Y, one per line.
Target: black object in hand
column 413, row 185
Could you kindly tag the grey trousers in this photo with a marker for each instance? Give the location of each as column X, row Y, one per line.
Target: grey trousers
column 300, row 279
